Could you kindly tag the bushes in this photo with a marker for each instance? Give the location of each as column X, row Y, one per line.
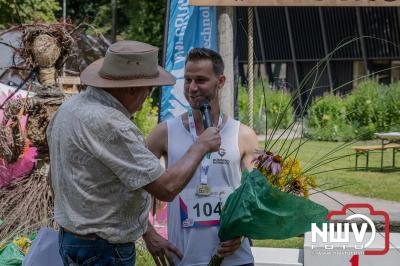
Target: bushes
column 370, row 108
column 146, row 118
column 392, row 103
column 327, row 119
column 279, row 110
column 326, row 110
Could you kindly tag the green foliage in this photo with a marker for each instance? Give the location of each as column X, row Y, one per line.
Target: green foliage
column 392, row 103
column 87, row 11
column 147, row 117
column 143, row 257
column 370, row 108
column 146, row 21
column 326, row 109
column 294, row 242
column 27, row 11
column 279, row 110
column 365, row 110
column 139, row 20
column 327, row 119
column 335, row 130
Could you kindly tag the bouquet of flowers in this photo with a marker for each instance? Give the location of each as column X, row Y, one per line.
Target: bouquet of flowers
column 271, row 202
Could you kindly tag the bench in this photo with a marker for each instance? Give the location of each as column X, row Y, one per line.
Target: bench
column 364, row 150
column 69, row 84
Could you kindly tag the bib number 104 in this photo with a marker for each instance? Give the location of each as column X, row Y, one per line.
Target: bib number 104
column 207, row 209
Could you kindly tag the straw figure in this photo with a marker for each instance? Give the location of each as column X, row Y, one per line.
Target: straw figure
column 25, row 196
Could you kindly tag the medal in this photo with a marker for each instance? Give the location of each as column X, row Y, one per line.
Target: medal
column 203, row 190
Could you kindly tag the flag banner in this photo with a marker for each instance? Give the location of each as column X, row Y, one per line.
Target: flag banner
column 332, row 3
column 188, row 27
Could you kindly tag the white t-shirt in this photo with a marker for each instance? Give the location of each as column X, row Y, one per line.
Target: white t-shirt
column 191, row 219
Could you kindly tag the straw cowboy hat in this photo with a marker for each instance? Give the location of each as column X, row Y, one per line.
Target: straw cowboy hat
column 127, row 64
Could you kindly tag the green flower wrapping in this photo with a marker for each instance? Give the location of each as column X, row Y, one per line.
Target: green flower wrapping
column 259, row 211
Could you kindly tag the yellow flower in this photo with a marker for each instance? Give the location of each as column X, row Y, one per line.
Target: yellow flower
column 326, row 117
column 23, row 243
column 291, row 178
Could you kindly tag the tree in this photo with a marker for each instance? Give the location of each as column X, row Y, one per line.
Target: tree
column 140, row 20
column 27, row 11
column 147, row 20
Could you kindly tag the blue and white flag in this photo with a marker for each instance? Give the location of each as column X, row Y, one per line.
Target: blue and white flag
column 188, row 27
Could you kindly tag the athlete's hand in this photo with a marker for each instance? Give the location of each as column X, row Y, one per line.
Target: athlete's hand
column 160, row 248
column 210, row 139
column 227, row 248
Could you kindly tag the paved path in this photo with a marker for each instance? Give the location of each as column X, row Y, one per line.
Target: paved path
column 392, row 207
column 281, row 134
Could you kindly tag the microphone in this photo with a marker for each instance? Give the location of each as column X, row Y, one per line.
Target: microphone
column 205, row 109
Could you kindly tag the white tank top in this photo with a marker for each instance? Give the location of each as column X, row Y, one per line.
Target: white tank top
column 198, row 244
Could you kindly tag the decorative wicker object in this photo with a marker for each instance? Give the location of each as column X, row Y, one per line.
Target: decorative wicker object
column 46, row 50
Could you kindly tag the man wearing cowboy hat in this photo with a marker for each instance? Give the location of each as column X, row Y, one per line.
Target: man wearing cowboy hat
column 101, row 171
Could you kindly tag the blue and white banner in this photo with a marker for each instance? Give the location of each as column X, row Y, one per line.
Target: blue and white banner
column 188, row 27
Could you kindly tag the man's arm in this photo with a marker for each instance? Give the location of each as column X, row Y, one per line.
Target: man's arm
column 157, row 141
column 248, row 143
column 175, row 177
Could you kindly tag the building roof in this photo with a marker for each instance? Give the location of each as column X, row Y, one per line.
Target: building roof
column 380, row 27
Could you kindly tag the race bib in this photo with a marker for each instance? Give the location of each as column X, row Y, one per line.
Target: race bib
column 201, row 211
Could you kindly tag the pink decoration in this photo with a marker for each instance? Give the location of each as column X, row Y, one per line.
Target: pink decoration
column 160, row 220
column 25, row 163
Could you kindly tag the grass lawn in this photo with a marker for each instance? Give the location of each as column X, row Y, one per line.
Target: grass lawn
column 294, row 242
column 342, row 175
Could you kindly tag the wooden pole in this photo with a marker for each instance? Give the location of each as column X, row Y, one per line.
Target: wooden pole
column 226, row 49
column 114, row 21
column 250, row 77
column 362, row 40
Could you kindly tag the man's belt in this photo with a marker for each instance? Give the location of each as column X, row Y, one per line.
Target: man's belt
column 91, row 236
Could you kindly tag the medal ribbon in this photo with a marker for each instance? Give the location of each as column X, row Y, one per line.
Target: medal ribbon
column 206, row 162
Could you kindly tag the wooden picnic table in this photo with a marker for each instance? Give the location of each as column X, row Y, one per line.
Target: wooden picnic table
column 388, row 141
column 389, row 137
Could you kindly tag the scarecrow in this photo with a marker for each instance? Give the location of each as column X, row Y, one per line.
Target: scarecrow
column 25, row 195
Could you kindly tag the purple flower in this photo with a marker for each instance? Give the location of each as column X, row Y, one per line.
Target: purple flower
column 273, row 164
column 262, row 156
column 276, row 164
column 268, row 161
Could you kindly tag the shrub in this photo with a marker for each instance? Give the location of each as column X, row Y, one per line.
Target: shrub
column 370, row 108
column 325, row 110
column 327, row 120
column 147, row 117
column 279, row 110
column 333, row 131
column 392, row 102
column 365, row 108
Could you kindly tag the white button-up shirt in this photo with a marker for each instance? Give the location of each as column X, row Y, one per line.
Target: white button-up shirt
column 99, row 164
